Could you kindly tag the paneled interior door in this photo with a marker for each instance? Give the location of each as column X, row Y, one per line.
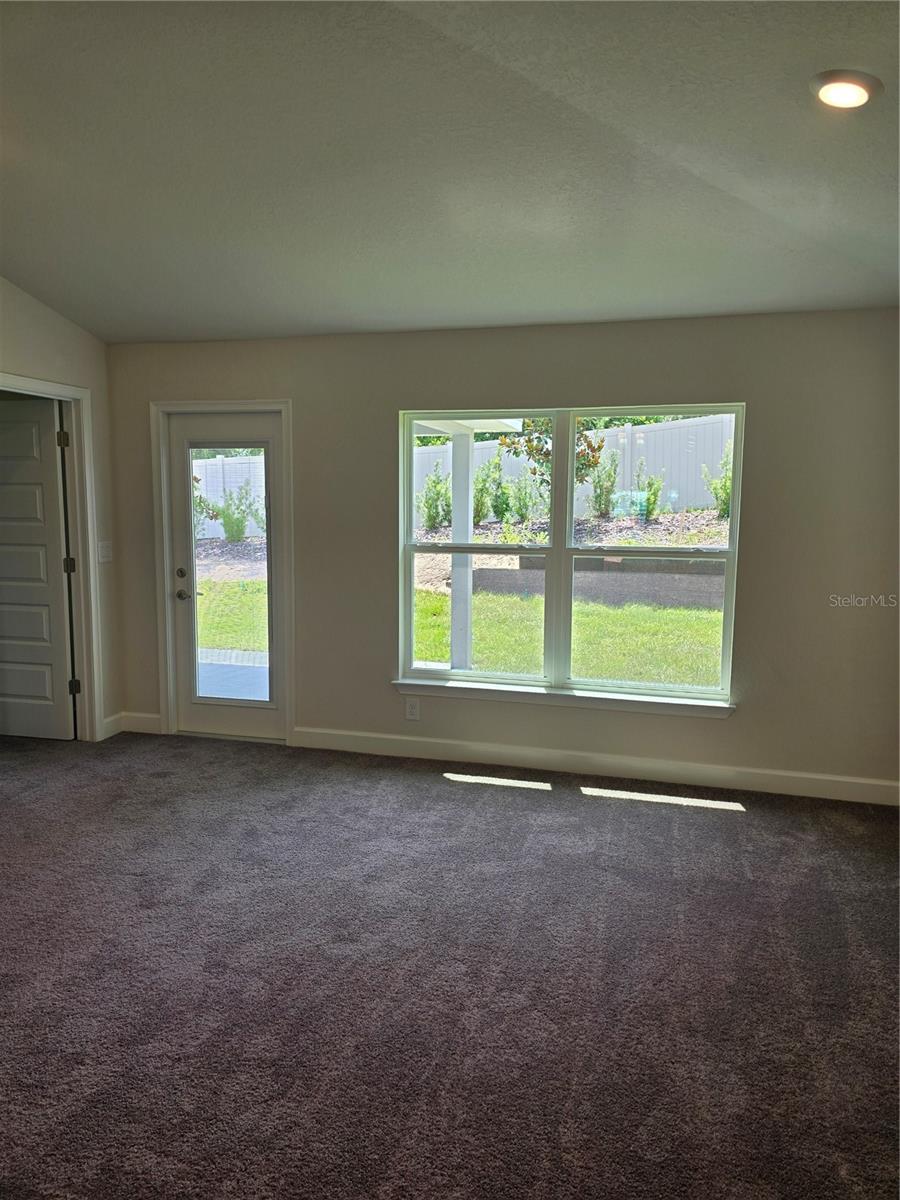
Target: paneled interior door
column 226, row 583
column 35, row 649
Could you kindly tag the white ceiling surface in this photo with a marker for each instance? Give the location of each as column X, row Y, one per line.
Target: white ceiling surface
column 181, row 171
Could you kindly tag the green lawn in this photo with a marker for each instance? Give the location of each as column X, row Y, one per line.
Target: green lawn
column 233, row 616
column 635, row 643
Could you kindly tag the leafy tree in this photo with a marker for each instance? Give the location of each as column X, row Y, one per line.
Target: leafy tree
column 618, row 422
column 441, row 439
column 535, row 444
column 201, row 509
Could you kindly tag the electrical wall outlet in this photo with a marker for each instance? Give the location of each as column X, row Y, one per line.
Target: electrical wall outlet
column 412, row 708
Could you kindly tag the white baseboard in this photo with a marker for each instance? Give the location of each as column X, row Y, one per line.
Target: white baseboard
column 581, row 762
column 130, row 722
column 109, row 727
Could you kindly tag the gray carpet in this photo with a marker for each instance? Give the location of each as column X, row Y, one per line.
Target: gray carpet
column 238, row 970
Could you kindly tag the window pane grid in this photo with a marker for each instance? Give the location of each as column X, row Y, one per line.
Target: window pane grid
column 479, row 479
column 559, row 583
column 655, row 480
column 646, row 621
column 647, row 610
column 476, row 548
column 479, row 614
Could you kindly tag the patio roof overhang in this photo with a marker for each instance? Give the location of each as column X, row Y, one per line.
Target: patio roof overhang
column 443, row 425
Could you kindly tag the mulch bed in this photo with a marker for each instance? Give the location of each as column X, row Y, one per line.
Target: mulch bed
column 667, row 528
column 218, row 550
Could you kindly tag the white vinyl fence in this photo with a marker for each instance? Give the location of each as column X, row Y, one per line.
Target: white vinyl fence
column 677, row 450
column 218, row 475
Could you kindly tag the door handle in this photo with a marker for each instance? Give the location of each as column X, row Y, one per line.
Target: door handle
column 181, row 594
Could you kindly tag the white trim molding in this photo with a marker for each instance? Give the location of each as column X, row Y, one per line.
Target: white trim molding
column 130, row 722
column 674, row 706
column 580, row 762
column 160, row 411
column 561, row 556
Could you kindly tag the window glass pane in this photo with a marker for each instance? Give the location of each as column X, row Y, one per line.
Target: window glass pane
column 485, row 479
column 480, row 613
column 648, row 621
column 656, row 481
column 231, row 570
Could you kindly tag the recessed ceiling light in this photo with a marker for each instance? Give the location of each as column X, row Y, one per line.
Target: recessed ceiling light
column 845, row 89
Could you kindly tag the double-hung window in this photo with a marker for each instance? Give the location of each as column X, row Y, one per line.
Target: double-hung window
column 581, row 551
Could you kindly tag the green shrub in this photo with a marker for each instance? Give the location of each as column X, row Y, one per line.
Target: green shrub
column 654, row 487
column 237, row 510
column 522, row 498
column 720, row 489
column 650, row 486
column 481, row 494
column 435, row 501
column 498, row 488
column 603, row 484
column 512, row 535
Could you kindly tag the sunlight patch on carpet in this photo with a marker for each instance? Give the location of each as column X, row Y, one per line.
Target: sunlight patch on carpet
column 652, row 798
column 520, row 783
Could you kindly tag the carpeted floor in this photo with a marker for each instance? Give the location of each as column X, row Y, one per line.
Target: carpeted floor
column 238, row 970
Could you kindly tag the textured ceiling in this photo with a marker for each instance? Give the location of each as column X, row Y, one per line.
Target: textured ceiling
column 248, row 170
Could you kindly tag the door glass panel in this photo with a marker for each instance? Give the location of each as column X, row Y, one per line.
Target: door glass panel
column 231, row 572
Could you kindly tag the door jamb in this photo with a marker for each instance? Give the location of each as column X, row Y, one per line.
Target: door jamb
column 160, row 412
column 83, row 522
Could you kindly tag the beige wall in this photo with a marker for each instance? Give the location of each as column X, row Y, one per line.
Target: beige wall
column 816, row 685
column 37, row 342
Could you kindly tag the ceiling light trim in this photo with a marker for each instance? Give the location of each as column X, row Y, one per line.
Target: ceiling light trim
column 832, row 82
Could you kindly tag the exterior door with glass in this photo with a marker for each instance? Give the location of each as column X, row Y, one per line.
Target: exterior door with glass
column 226, row 575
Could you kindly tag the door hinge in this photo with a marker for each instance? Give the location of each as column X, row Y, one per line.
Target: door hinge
column 69, row 566
column 74, row 687
column 62, row 438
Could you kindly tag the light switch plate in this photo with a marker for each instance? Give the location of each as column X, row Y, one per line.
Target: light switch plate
column 104, row 552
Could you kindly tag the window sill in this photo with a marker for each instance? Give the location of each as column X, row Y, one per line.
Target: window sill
column 521, row 693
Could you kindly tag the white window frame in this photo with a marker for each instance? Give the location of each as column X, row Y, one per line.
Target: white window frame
column 560, row 556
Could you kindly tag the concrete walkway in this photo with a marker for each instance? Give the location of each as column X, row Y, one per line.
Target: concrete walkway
column 233, row 674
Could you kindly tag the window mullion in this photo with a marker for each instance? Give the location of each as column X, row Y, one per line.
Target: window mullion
column 407, row 609
column 558, row 580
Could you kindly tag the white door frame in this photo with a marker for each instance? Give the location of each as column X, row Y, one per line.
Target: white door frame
column 83, row 530
column 160, row 412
